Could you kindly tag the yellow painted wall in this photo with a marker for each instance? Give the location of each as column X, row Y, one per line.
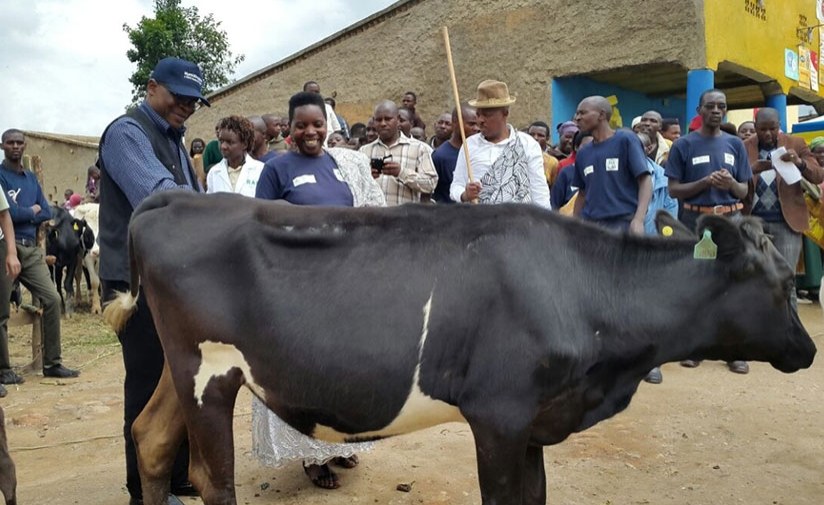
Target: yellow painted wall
column 739, row 32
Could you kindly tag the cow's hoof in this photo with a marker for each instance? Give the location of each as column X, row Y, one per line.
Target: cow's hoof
column 690, row 363
column 741, row 367
column 322, row 476
column 3, row 391
column 97, row 310
column 654, row 376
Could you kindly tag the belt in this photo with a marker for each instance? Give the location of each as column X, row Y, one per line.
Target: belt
column 714, row 209
column 27, row 242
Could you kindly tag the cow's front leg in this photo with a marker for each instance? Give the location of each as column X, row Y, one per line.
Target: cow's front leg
column 534, row 476
column 78, row 280
column 211, row 440
column 501, row 454
column 68, row 284
column 157, row 433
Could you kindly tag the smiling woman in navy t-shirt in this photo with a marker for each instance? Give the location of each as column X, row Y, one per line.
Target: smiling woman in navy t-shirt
column 309, row 176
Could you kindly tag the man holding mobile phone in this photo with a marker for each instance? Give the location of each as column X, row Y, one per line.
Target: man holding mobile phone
column 402, row 166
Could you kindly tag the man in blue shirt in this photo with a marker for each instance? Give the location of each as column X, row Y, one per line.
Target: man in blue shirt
column 142, row 153
column 446, row 155
column 611, row 174
column 708, row 169
column 708, row 173
column 28, row 208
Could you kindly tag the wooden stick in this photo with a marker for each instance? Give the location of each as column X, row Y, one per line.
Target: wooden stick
column 445, row 31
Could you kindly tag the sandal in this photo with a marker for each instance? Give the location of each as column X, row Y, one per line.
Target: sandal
column 350, row 462
column 322, row 476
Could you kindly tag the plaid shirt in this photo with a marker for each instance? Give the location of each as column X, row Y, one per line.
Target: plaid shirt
column 417, row 175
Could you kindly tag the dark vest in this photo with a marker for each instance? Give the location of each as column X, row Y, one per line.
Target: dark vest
column 115, row 209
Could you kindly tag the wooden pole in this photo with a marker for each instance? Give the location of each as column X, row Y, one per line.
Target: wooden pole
column 197, row 163
column 37, row 326
column 445, row 31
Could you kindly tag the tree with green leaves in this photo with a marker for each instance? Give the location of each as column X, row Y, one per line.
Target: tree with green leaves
column 181, row 32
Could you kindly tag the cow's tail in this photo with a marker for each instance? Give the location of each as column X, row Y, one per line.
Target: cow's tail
column 120, row 309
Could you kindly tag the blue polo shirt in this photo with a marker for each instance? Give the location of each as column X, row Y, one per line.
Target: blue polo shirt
column 444, row 158
column 304, row 180
column 695, row 156
column 608, row 172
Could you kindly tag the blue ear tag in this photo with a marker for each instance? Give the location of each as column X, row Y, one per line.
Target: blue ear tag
column 705, row 249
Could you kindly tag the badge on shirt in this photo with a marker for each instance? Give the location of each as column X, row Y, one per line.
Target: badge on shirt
column 612, row 164
column 304, row 179
column 729, row 159
column 337, row 173
column 588, row 170
column 700, row 159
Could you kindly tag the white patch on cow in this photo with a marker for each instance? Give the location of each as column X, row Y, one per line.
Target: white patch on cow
column 288, row 228
column 219, row 359
column 420, row 411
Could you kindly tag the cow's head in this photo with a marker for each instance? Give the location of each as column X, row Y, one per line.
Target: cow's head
column 752, row 313
column 63, row 232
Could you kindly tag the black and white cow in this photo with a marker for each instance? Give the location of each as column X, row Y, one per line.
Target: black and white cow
column 360, row 324
column 90, row 262
column 67, row 240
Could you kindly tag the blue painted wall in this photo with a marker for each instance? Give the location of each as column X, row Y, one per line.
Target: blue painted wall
column 568, row 92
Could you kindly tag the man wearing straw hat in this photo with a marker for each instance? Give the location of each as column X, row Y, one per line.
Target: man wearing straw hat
column 508, row 164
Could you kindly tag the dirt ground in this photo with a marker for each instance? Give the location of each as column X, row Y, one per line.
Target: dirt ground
column 704, row 436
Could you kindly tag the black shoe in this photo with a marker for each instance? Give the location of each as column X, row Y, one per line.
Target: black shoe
column 9, row 377
column 60, row 372
column 3, row 391
column 187, row 489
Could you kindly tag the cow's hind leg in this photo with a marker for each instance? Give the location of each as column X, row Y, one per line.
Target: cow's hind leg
column 157, row 433
column 534, row 476
column 8, row 477
column 94, row 284
column 211, row 440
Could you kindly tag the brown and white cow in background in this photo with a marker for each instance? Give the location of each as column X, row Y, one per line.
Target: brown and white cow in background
column 91, row 260
column 527, row 325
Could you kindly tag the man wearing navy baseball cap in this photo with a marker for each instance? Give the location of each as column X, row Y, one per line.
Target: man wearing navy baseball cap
column 142, row 152
column 180, row 77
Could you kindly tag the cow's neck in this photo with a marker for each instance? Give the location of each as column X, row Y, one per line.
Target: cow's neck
column 656, row 295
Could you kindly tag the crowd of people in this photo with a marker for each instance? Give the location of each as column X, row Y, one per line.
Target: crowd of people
column 616, row 178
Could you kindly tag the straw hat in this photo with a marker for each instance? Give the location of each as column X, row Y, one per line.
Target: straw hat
column 492, row 94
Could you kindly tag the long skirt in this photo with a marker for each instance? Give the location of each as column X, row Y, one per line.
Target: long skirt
column 275, row 443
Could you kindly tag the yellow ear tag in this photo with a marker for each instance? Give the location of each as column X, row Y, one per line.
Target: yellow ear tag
column 705, row 249
column 666, row 231
column 76, row 228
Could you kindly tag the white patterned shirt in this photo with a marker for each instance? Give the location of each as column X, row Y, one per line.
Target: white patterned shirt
column 483, row 154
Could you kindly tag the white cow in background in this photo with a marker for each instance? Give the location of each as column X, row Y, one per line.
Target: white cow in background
column 91, row 261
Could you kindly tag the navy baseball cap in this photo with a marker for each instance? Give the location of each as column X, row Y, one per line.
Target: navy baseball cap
column 181, row 77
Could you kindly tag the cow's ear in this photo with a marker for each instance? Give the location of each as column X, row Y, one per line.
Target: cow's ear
column 726, row 235
column 668, row 226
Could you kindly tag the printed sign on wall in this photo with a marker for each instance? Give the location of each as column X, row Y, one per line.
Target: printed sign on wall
column 803, row 67
column 791, row 64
